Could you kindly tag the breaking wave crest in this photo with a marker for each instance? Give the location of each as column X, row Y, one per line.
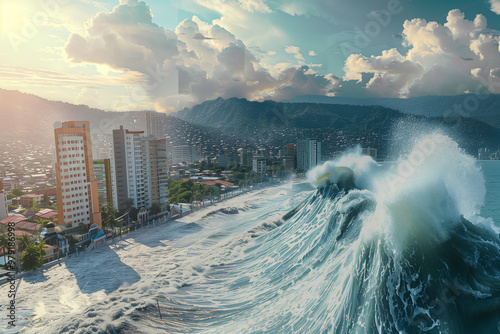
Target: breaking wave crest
column 370, row 251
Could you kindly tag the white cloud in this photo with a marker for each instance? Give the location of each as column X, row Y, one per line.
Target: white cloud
column 254, row 6
column 495, row 6
column 442, row 59
column 29, row 77
column 312, row 53
column 196, row 62
column 304, row 81
column 294, row 50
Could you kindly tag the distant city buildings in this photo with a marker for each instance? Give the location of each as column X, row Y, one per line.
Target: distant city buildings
column 259, row 164
column 4, row 209
column 154, row 124
column 308, row 153
column 372, row 152
column 77, row 196
column 185, row 154
column 227, row 160
column 485, row 153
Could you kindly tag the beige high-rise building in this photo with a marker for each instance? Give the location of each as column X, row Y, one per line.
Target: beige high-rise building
column 77, row 196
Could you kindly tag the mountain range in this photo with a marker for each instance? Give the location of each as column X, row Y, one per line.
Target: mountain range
column 485, row 108
column 235, row 121
column 248, row 119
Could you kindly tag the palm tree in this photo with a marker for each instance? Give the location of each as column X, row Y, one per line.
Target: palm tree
column 198, row 195
column 33, row 257
column 23, row 241
column 4, row 243
column 108, row 216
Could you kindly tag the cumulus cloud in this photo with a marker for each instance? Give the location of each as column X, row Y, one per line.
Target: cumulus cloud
column 452, row 58
column 312, row 53
column 294, row 50
column 196, row 62
column 305, row 81
column 495, row 6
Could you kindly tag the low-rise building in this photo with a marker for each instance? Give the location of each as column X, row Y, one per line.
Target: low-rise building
column 28, row 200
column 185, row 154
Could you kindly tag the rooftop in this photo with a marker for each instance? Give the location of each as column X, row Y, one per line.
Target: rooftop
column 14, row 219
column 31, row 196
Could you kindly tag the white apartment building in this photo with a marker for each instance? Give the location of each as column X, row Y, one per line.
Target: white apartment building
column 259, row 164
column 308, row 153
column 132, row 181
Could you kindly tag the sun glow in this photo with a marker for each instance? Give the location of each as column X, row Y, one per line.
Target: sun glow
column 15, row 17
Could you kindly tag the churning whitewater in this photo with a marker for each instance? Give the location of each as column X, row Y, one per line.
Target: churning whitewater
column 394, row 249
column 401, row 250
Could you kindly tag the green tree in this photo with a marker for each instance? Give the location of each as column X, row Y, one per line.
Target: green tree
column 108, row 215
column 133, row 210
column 32, row 257
column 35, row 206
column 23, row 241
column 4, row 243
column 43, row 221
column 17, row 192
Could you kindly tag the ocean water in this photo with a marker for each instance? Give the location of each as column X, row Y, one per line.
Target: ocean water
column 407, row 247
column 491, row 170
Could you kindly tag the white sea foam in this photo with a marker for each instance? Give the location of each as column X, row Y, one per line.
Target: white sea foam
column 367, row 260
column 362, row 166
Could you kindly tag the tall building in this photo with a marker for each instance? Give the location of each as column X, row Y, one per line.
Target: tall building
column 154, row 124
column 308, row 153
column 290, row 157
column 259, row 164
column 103, row 175
column 158, row 171
column 245, row 156
column 77, row 196
column 132, row 174
column 4, row 209
column 185, row 153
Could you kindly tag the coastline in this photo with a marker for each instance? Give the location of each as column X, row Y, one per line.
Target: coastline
column 187, row 217
column 141, row 265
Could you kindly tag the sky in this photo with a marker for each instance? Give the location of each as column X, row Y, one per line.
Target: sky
column 168, row 55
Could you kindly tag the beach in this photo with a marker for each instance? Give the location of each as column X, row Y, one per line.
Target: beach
column 94, row 290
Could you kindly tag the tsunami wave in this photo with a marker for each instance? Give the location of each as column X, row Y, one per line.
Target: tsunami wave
column 400, row 248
